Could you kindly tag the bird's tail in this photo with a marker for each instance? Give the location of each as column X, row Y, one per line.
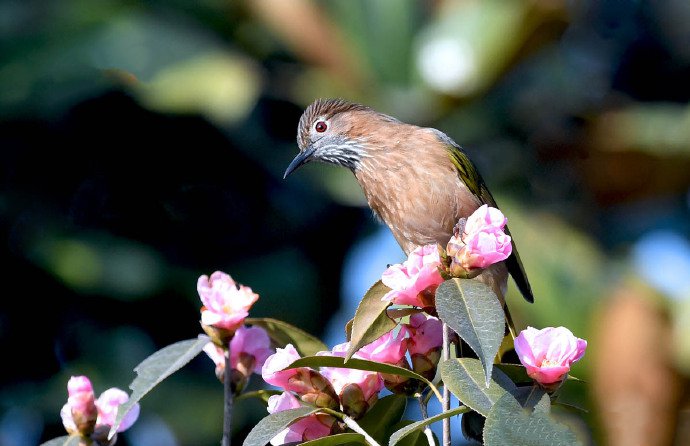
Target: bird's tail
column 509, row 320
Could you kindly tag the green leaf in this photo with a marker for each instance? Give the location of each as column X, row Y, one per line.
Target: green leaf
column 517, row 373
column 263, row 395
column 283, row 333
column 416, row 438
column 332, row 440
column 360, row 364
column 532, row 398
column 474, row 312
column 371, row 320
column 465, row 379
column 156, row 368
column 71, row 440
column 509, row 424
column 419, row 425
column 386, row 412
column 275, row 423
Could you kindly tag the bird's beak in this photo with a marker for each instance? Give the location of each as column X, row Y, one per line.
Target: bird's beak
column 300, row 159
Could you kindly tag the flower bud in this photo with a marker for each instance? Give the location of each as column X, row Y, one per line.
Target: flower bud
column 309, row 384
column 80, row 413
column 425, row 344
column 304, row 429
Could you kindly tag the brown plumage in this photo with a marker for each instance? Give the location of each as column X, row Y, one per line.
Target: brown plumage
column 416, row 180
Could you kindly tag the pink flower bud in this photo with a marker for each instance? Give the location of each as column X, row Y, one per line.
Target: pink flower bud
column 249, row 349
column 107, row 405
column 547, row 354
column 427, row 334
column 412, row 277
column 389, row 348
column 308, row 428
column 226, row 304
column 80, row 413
column 485, row 218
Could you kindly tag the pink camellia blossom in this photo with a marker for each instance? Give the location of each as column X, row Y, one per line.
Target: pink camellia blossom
column 107, row 405
column 481, row 243
column 272, row 372
column 389, row 348
column 369, row 382
column 427, row 334
column 308, row 428
column 484, row 248
column 485, row 218
column 310, row 385
column 248, row 342
column 417, row 274
column 547, row 354
column 226, row 304
column 79, row 413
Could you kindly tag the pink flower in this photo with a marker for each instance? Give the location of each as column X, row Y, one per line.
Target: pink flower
column 482, row 242
column 107, row 405
column 427, row 334
column 485, row 218
column 310, row 385
column 547, row 354
column 389, row 348
column 82, row 413
column 416, row 274
column 226, row 304
column 484, row 248
column 79, row 414
column 308, row 428
column 370, row 383
column 252, row 343
column 272, row 371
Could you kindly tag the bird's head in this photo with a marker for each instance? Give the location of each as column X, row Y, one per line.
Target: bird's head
column 333, row 131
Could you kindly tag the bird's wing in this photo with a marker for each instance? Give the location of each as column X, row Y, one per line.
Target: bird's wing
column 469, row 174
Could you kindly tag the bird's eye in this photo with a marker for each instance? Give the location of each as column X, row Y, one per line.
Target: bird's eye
column 321, row 126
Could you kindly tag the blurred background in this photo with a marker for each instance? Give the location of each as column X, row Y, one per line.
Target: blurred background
column 142, row 144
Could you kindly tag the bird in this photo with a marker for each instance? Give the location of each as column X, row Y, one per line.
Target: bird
column 416, row 180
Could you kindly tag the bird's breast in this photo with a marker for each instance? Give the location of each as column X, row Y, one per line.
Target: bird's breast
column 419, row 201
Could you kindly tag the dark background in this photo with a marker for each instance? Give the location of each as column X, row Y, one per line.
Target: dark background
column 142, row 144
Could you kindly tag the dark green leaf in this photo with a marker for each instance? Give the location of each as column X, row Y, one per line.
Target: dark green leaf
column 332, row 440
column 360, row 364
column 465, row 379
column 386, row 412
column 71, row 440
column 371, row 320
column 474, row 312
column 283, row 333
column 532, row 398
column 156, row 368
column 416, row 438
column 517, row 373
column 263, row 395
column 275, row 423
column 419, row 425
column 509, row 424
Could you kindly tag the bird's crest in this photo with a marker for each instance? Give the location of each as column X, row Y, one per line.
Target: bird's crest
column 326, row 108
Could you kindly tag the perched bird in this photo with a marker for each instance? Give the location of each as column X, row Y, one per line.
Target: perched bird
column 417, row 180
